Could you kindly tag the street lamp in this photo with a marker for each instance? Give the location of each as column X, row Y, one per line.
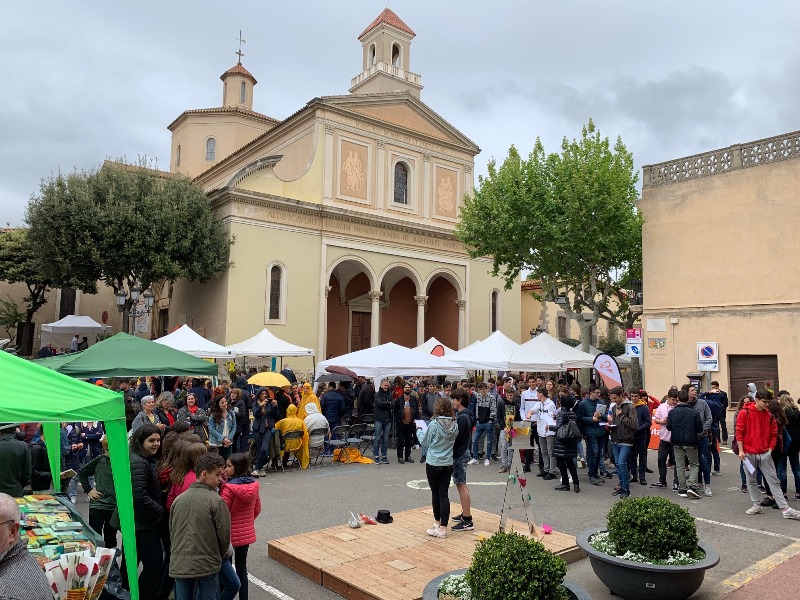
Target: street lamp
column 135, row 294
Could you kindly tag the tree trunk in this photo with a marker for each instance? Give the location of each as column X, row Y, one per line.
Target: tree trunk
column 636, row 372
column 586, row 340
column 26, row 343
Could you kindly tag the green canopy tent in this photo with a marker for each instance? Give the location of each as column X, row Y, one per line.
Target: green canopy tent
column 124, row 355
column 72, row 400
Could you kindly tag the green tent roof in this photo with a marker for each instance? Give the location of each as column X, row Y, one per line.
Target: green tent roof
column 124, row 355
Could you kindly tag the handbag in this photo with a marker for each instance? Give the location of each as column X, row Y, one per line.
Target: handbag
column 568, row 432
column 735, row 446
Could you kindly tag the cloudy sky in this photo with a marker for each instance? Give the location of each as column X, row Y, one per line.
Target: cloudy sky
column 83, row 81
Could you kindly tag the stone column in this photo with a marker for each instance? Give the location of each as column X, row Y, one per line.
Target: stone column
column 375, row 323
column 462, row 320
column 421, row 300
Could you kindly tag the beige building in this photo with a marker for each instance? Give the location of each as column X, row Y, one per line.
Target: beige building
column 343, row 215
column 721, row 266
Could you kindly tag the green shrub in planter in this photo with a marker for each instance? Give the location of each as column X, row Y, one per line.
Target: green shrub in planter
column 652, row 527
column 510, row 565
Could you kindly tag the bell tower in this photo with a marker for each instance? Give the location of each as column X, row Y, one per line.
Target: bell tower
column 386, row 47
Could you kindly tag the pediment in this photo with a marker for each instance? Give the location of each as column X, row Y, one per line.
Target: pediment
column 404, row 112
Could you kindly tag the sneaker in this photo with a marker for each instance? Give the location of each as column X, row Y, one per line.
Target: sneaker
column 708, row 492
column 423, row 459
column 548, row 477
column 463, row 526
column 458, row 518
column 717, row 472
column 692, row 493
column 594, row 481
column 486, row 463
column 659, row 484
column 409, row 460
column 262, row 473
column 255, row 473
column 674, row 486
column 762, row 489
column 791, row 513
column 473, row 461
column 768, row 502
column 755, row 510
column 504, row 470
column 437, row 532
column 642, row 482
column 384, row 461
column 744, row 489
column 683, row 494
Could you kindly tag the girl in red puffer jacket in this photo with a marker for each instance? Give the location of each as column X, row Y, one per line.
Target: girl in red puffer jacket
column 241, row 494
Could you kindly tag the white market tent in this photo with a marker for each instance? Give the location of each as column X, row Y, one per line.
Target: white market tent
column 499, row 353
column 392, row 360
column 189, row 341
column 265, row 343
column 61, row 332
column 429, row 346
column 573, row 358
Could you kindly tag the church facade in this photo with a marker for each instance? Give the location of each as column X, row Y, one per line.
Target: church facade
column 343, row 215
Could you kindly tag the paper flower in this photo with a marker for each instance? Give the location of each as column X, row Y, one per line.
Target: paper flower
column 81, row 570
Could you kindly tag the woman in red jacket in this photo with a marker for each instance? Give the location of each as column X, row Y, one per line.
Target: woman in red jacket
column 241, row 494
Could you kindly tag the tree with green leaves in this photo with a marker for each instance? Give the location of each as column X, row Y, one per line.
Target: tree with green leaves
column 125, row 225
column 568, row 219
column 19, row 264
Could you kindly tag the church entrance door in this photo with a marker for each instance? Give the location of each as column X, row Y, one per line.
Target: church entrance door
column 360, row 331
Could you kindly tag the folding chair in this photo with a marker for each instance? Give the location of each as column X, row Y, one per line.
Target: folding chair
column 354, row 436
column 322, row 433
column 368, row 439
column 338, row 439
column 291, row 435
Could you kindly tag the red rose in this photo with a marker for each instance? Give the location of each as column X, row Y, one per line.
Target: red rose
column 105, row 558
column 81, row 569
column 66, row 573
column 95, row 569
column 55, row 587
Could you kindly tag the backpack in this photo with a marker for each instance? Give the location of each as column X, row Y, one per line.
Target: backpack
column 716, row 407
column 568, row 432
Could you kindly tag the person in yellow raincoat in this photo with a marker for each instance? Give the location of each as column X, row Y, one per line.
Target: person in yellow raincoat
column 299, row 446
column 307, row 396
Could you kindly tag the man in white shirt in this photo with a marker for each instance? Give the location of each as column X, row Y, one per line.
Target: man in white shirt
column 529, row 400
column 546, row 426
column 74, row 345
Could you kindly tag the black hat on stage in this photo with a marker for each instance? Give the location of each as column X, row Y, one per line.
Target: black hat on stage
column 384, row 517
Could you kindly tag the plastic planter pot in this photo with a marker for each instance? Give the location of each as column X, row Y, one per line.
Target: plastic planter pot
column 431, row 592
column 640, row 581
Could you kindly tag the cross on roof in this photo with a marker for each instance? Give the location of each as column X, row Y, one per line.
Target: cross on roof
column 239, row 53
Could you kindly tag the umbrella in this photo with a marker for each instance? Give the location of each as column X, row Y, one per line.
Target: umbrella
column 269, row 379
column 342, row 371
column 329, row 377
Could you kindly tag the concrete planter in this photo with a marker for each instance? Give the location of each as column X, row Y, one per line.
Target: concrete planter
column 639, row 581
column 431, row 592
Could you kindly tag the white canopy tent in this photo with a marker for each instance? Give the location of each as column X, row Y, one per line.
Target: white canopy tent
column 265, row 343
column 499, row 353
column 573, row 358
column 61, row 332
column 434, row 345
column 189, row 341
column 392, row 360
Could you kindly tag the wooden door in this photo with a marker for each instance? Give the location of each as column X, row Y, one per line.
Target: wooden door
column 360, row 331
column 761, row 369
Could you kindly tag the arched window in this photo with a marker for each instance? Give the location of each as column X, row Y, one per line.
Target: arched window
column 211, row 149
column 401, row 183
column 242, row 93
column 495, row 310
column 178, row 157
column 276, row 293
column 395, row 55
column 371, row 59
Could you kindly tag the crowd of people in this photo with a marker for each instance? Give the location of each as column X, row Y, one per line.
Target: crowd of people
column 196, row 452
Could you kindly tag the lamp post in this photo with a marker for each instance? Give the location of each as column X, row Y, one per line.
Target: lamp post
column 126, row 304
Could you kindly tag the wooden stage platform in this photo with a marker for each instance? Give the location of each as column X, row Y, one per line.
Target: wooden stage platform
column 395, row 561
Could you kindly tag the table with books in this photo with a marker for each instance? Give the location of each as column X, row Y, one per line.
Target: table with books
column 70, row 552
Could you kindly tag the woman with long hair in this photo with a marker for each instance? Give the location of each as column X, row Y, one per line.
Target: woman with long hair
column 148, row 509
column 221, row 426
column 165, row 412
column 263, row 422
column 241, row 494
column 182, row 474
column 778, row 453
column 439, row 438
column 793, row 428
column 195, row 416
column 566, row 451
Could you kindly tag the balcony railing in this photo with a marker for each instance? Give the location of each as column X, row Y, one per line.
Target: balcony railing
column 383, row 67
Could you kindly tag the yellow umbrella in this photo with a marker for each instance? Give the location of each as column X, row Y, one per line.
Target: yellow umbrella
column 269, row 379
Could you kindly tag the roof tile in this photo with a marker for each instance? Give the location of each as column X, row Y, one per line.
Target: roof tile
column 238, row 69
column 388, row 17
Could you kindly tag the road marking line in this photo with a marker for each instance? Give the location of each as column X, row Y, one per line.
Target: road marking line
column 740, row 528
column 773, row 560
column 268, row 588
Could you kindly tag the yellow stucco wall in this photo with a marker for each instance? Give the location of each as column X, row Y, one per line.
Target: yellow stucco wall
column 481, row 284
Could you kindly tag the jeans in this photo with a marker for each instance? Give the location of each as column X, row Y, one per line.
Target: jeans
column 240, row 562
column 229, row 581
column 424, row 449
column 262, row 448
column 794, row 463
column 381, row 441
column 682, row 453
column 581, row 452
column 764, row 462
column 638, row 457
column 439, row 482
column 100, row 521
column 664, row 451
column 483, row 429
column 713, row 452
column 705, row 460
column 204, row 588
column 621, row 453
column 594, row 454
